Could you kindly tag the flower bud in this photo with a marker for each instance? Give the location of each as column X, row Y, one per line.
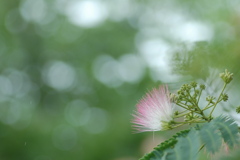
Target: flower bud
column 226, row 76
column 193, row 84
column 210, row 99
column 174, row 98
column 225, row 97
column 197, row 91
column 202, row 86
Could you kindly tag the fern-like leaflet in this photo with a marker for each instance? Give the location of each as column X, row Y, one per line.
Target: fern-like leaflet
column 186, row 144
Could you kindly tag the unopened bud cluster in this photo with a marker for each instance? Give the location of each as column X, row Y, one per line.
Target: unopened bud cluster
column 226, row 76
column 188, row 97
column 155, row 111
column 210, row 99
column 188, row 92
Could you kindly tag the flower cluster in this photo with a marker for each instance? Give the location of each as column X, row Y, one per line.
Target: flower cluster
column 155, row 111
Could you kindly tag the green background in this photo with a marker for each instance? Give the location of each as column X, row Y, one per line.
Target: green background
column 69, row 83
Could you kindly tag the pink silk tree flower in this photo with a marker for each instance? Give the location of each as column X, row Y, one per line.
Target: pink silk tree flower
column 153, row 110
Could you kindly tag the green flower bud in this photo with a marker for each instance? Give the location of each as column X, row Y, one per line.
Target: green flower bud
column 188, row 117
column 225, row 97
column 191, row 106
column 193, row 84
column 210, row 99
column 180, row 97
column 173, row 98
column 188, row 87
column 195, row 95
column 166, row 125
column 196, row 116
column 202, row 86
column 226, row 76
column 197, row 91
column 180, row 92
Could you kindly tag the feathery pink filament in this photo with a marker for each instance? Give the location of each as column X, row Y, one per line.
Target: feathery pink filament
column 154, row 108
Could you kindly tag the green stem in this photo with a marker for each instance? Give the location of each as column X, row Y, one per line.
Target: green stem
column 182, row 105
column 181, row 115
column 191, row 99
column 192, row 121
column 182, row 123
column 178, row 125
column 183, row 111
column 218, row 100
column 207, row 107
column 199, row 96
column 185, row 107
column 196, row 105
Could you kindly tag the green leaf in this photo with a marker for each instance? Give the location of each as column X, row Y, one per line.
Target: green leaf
column 228, row 129
column 210, row 137
column 186, row 144
column 159, row 151
column 186, row 148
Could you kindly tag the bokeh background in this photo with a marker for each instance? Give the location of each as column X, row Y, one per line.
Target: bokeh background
column 71, row 71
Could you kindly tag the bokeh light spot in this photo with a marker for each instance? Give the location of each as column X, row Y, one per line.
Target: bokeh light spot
column 16, row 115
column 193, row 32
column 131, row 68
column 157, row 54
column 6, row 87
column 14, row 21
column 77, row 113
column 34, row 10
column 105, row 69
column 86, row 13
column 64, row 137
column 20, row 82
column 10, row 114
column 59, row 75
column 98, row 121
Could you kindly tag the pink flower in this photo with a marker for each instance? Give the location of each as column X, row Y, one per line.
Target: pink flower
column 153, row 110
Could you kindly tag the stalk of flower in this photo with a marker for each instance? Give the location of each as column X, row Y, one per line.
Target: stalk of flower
column 154, row 111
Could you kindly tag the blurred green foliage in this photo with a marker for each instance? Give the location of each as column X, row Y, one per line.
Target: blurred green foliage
column 71, row 76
